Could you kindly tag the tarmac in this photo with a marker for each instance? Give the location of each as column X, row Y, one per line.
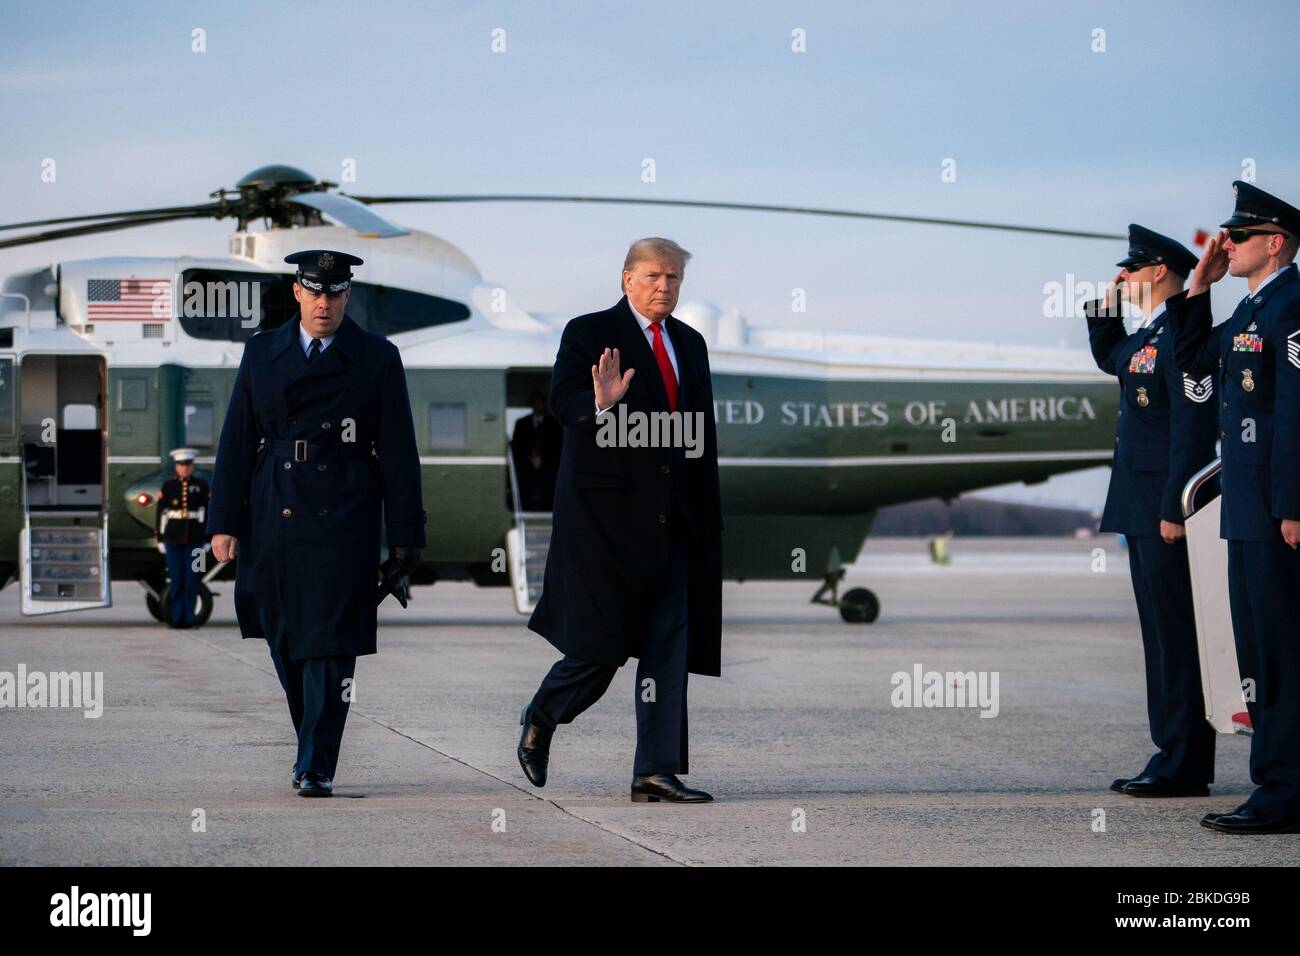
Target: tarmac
column 799, row 740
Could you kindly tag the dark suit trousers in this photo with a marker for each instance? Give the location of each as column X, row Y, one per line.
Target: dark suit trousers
column 573, row 685
column 314, row 689
column 1175, row 702
column 1264, row 588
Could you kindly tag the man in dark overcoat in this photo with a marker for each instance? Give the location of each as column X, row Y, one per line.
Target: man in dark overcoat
column 317, row 451
column 634, row 567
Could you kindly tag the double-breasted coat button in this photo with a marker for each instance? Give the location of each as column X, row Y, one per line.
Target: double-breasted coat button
column 320, row 467
column 663, row 519
column 321, row 513
column 664, row 468
column 325, row 425
column 288, row 465
column 293, row 421
column 287, row 512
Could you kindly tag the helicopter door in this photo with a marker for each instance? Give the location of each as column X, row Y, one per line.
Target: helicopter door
column 532, row 457
column 63, row 550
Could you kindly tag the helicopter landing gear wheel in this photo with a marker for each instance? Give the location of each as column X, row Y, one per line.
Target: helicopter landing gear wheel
column 859, row 606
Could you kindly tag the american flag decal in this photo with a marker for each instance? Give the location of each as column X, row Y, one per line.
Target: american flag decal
column 138, row 300
column 1293, row 349
column 1198, row 391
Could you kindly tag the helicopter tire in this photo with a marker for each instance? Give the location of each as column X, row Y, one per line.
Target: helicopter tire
column 859, row 606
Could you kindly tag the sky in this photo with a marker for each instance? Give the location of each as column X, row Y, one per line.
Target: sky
column 1040, row 125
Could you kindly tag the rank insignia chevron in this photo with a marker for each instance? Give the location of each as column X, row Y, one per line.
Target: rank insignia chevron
column 1198, row 391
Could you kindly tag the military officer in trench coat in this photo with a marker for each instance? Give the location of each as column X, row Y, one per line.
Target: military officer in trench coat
column 318, row 448
column 1165, row 434
column 634, row 567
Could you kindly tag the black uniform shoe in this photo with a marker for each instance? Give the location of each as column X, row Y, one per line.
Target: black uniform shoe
column 1159, row 787
column 296, row 777
column 534, row 748
column 665, row 786
column 1244, row 820
column 313, row 784
column 1118, row 783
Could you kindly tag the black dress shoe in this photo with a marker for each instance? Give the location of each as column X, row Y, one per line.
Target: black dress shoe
column 315, row 785
column 1150, row 786
column 1245, row 820
column 534, row 750
column 666, row 787
column 296, row 777
column 1118, row 783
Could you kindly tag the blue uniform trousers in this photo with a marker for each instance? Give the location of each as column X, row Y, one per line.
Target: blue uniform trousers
column 314, row 690
column 1264, row 587
column 183, row 590
column 1175, row 703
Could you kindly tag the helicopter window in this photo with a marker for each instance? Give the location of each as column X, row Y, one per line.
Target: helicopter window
column 447, row 425
column 80, row 416
column 220, row 304
column 199, row 424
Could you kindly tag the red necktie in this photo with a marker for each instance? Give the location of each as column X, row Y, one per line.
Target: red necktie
column 665, row 366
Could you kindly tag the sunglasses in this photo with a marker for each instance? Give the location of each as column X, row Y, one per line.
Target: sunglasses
column 1238, row 236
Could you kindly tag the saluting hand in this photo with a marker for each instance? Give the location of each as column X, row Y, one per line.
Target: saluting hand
column 606, row 381
column 1212, row 267
column 1291, row 531
column 1115, row 292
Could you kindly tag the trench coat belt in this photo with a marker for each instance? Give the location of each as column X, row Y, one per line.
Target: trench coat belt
column 301, row 450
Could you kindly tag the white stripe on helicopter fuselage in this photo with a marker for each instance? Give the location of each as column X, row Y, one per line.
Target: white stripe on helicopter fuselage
column 1098, row 455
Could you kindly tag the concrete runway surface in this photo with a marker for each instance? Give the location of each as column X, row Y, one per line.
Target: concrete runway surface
column 799, row 727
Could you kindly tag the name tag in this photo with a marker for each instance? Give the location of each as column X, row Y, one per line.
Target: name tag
column 1143, row 360
column 1247, row 342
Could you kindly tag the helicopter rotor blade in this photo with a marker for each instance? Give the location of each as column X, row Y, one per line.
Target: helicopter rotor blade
column 750, row 207
column 351, row 213
column 91, row 228
column 205, row 209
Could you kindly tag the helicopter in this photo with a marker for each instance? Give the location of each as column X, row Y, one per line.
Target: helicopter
column 107, row 363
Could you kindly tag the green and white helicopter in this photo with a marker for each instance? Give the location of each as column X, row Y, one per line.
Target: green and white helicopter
column 106, row 364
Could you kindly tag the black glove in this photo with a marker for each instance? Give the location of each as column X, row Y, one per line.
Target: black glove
column 393, row 572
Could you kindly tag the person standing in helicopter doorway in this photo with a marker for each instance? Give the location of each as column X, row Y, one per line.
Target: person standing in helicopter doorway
column 180, row 529
column 318, row 438
column 1165, row 434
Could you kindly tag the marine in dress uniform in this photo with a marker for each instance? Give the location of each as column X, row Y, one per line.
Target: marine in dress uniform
column 634, row 567
column 181, row 512
column 318, row 443
column 1165, row 434
column 1255, row 359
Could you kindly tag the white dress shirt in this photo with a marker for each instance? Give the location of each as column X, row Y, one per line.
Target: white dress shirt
column 1151, row 319
column 305, row 337
column 650, row 338
column 1275, row 274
